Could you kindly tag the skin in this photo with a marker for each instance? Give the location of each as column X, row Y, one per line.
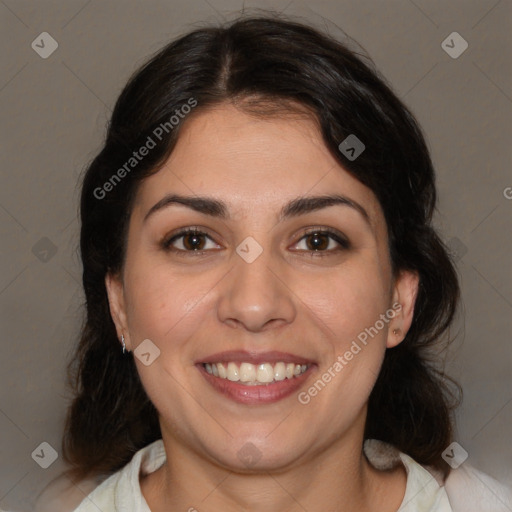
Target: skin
column 288, row 299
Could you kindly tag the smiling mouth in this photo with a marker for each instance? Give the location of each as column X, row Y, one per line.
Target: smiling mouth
column 255, row 374
column 255, row 384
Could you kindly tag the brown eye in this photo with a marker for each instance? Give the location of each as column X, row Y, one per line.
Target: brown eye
column 317, row 241
column 323, row 242
column 193, row 241
column 188, row 240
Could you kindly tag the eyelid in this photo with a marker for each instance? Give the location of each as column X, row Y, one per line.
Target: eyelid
column 331, row 233
column 167, row 240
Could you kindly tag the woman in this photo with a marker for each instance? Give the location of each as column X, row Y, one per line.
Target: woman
column 264, row 288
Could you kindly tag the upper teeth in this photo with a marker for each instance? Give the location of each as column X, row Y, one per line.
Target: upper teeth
column 251, row 374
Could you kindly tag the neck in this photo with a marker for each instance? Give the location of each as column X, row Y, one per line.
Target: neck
column 337, row 478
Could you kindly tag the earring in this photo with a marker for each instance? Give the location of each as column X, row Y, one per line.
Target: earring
column 396, row 331
column 124, row 344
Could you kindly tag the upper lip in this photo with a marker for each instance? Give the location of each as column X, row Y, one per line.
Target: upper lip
column 244, row 356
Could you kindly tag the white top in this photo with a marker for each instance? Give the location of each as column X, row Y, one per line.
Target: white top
column 465, row 490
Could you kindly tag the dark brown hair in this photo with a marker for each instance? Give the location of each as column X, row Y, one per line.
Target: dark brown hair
column 269, row 62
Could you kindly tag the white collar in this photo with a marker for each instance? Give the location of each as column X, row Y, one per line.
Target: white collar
column 423, row 493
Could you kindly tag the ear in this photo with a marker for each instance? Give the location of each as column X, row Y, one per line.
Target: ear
column 405, row 291
column 115, row 292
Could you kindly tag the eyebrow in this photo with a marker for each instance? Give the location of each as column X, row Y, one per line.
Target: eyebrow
column 294, row 208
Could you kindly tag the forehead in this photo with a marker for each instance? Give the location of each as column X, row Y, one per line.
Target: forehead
column 252, row 164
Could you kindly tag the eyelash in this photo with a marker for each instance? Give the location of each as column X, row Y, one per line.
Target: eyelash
column 166, row 244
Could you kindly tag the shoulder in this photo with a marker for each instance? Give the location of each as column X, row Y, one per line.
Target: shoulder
column 92, row 494
column 118, row 491
column 470, row 490
column 62, row 495
column 466, row 488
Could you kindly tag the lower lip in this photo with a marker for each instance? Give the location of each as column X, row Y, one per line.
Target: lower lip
column 259, row 394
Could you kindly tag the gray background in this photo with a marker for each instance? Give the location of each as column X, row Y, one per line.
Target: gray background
column 54, row 112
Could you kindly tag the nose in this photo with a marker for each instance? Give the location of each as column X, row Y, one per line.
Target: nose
column 256, row 296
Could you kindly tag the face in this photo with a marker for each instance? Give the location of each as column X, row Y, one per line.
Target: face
column 281, row 282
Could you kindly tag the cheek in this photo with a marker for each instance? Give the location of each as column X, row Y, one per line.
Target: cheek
column 168, row 309
column 166, row 305
column 156, row 302
column 347, row 300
